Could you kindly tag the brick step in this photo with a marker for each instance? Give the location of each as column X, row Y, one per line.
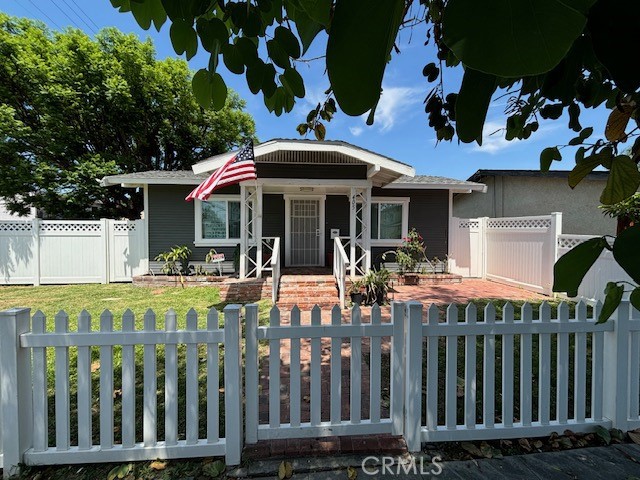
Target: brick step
column 308, row 293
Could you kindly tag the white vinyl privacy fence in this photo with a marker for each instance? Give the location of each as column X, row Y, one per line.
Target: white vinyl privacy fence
column 71, row 251
column 522, row 251
column 430, row 375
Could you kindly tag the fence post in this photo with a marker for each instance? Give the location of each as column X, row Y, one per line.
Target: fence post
column 554, row 233
column 35, row 235
column 413, row 376
column 251, row 373
column 16, row 407
column 397, row 368
column 616, row 369
column 232, row 385
column 106, row 226
column 482, row 247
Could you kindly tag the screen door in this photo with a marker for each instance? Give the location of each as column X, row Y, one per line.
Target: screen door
column 305, row 232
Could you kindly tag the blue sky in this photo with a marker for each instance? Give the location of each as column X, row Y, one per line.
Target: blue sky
column 401, row 130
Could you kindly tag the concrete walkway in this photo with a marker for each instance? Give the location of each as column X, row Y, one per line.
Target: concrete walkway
column 613, row 462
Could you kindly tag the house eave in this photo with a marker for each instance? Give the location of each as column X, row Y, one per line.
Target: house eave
column 454, row 187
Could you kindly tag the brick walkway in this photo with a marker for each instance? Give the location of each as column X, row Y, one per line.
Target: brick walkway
column 440, row 294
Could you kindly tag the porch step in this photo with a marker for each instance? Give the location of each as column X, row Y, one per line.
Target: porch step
column 307, row 291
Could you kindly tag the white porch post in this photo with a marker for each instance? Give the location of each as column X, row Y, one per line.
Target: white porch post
column 257, row 229
column 243, row 232
column 366, row 228
column 352, row 230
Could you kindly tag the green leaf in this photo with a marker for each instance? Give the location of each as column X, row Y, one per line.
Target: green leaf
column 604, row 434
column 571, row 268
column 232, row 58
column 623, row 180
column 307, row 28
column 248, row 50
column 431, row 71
column 255, row 76
column 318, row 10
column 358, row 51
column 202, row 88
column 287, row 41
column 268, row 80
column 585, row 167
column 147, row 12
column 214, row 469
column 472, row 104
column 512, row 38
column 184, row 38
column 213, row 33
column 574, row 117
column 547, row 156
column 626, row 251
column 253, row 25
column 613, row 297
column 634, row 298
column 293, row 82
column 218, row 92
column 615, row 40
column 278, row 54
column 320, row 131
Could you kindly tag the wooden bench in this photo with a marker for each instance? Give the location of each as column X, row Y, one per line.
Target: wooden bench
column 155, row 268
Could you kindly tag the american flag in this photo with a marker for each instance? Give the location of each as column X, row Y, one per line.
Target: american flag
column 241, row 167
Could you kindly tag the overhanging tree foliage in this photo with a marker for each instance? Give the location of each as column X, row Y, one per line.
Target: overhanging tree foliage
column 547, row 56
column 74, row 109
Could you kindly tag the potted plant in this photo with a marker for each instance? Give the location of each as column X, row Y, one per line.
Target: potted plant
column 408, row 256
column 357, row 292
column 376, row 283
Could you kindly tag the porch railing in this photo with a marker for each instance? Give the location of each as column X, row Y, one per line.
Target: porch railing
column 275, row 269
column 340, row 264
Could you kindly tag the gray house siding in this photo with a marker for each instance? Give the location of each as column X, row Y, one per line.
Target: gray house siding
column 428, row 214
column 171, row 219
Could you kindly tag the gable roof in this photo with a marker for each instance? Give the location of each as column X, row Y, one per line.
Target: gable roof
column 382, row 169
column 597, row 175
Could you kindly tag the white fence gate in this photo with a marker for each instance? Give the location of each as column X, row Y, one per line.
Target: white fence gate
column 483, row 377
column 71, row 251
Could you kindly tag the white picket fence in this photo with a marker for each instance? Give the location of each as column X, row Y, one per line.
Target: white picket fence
column 71, row 251
column 446, row 380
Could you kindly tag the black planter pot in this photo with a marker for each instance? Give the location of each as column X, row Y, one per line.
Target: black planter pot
column 357, row 298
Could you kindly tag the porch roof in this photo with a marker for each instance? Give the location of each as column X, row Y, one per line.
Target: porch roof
column 382, row 170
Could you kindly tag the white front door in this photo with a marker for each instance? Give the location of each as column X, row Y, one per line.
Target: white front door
column 305, row 231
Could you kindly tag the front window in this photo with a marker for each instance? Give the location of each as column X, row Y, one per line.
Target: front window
column 218, row 221
column 389, row 221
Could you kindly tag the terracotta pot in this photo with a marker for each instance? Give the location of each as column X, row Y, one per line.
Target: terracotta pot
column 411, row 279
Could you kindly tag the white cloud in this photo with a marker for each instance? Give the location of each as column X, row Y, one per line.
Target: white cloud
column 493, row 140
column 356, row 131
column 395, row 105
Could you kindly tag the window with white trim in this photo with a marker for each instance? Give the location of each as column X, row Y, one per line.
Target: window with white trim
column 389, row 220
column 217, row 221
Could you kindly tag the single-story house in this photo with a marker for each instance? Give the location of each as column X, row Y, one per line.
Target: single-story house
column 516, row 193
column 307, row 192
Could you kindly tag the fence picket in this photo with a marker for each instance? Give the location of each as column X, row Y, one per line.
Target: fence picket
column 274, row 372
column 489, row 370
column 580, row 369
column 375, row 377
column 316, row 372
column 597, row 368
column 84, row 386
column 106, row 385
column 634, row 379
column 294, row 372
column 336, row 369
column 507, row 368
column 526, row 367
column 40, row 386
column 451, row 377
column 356, row 370
column 128, row 384
column 150, row 385
column 63, row 427
column 470, row 371
column 433, row 317
column 171, row 383
column 213, row 376
column 192, row 401
column 562, row 385
column 544, row 388
column 397, row 367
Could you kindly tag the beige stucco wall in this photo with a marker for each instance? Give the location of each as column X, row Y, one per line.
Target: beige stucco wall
column 522, row 196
